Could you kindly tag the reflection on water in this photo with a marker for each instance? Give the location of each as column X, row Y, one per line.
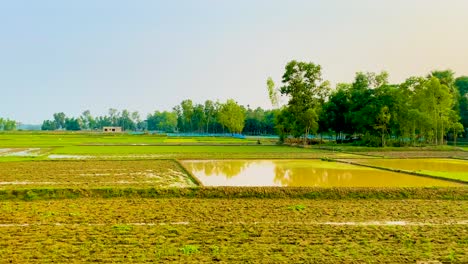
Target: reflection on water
column 300, row 173
column 448, row 165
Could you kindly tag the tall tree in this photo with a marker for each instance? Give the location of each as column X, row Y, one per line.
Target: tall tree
column 187, row 114
column 303, row 84
column 272, row 92
column 114, row 116
column 461, row 83
column 210, row 113
column 59, row 119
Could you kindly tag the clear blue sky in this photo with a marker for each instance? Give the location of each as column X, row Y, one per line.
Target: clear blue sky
column 141, row 55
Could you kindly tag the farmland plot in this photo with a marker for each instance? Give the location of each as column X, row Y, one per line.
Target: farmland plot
column 91, row 173
column 233, row 230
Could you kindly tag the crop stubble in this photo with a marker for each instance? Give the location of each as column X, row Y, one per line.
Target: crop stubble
column 255, row 230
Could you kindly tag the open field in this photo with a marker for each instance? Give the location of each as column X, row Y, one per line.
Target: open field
column 170, row 152
column 227, row 230
column 60, row 139
column 89, row 174
column 124, row 203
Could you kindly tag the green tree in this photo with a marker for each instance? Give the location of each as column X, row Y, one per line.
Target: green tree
column 7, row 124
column 382, row 122
column 461, row 83
column 335, row 114
column 125, row 120
column 162, row 121
column 232, row 116
column 88, row 120
column 72, row 124
column 457, row 128
column 272, row 92
column 114, row 116
column 187, row 114
column 198, row 117
column 303, row 84
column 48, row 125
column 210, row 113
column 59, row 119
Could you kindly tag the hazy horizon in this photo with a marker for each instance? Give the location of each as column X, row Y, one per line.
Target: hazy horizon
column 59, row 56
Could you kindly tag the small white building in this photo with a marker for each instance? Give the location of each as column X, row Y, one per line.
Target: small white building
column 112, row 129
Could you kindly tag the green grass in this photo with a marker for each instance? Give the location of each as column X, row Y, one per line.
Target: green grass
column 454, row 169
column 119, row 150
column 461, row 176
column 60, row 139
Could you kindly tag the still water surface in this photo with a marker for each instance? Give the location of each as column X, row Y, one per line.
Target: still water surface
column 444, row 165
column 300, row 173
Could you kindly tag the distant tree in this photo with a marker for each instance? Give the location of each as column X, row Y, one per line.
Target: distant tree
column 114, row 116
column 72, row 124
column 187, row 114
column 87, row 120
column 210, row 113
column 272, row 93
column 7, row 124
column 59, row 119
column 461, row 83
column 198, row 118
column 103, row 121
column 125, row 120
column 162, row 121
column 48, row 125
column 232, row 116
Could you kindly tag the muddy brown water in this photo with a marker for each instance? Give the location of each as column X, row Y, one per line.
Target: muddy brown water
column 303, row 173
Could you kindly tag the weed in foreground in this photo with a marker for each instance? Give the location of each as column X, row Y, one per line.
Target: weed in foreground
column 122, row 228
column 189, row 249
column 297, row 207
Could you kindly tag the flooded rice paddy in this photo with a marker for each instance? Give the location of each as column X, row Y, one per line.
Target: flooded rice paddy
column 300, row 173
column 443, row 165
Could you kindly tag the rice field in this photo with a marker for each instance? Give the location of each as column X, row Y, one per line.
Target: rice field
column 93, row 174
column 233, row 230
column 90, row 197
column 454, row 169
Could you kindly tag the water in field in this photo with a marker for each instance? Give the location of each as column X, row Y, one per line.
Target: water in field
column 441, row 165
column 300, row 173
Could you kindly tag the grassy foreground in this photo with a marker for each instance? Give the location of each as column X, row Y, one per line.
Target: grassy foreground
column 226, row 230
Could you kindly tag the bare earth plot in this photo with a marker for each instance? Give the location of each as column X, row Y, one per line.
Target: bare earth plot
column 91, row 173
column 233, row 230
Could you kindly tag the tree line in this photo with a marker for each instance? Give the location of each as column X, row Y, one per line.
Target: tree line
column 369, row 110
column 187, row 117
column 7, row 124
